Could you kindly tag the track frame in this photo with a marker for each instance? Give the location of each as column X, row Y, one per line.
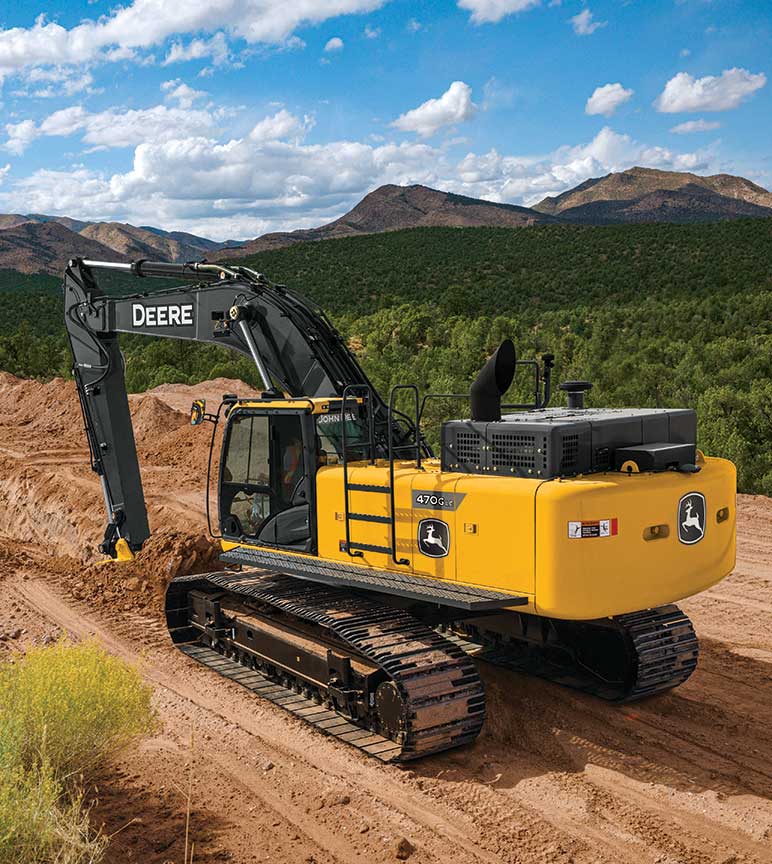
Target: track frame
column 406, row 682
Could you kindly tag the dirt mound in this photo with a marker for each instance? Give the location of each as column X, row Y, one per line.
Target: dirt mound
column 50, row 500
column 49, row 410
column 141, row 583
column 153, row 418
column 185, row 451
column 48, row 493
column 179, row 396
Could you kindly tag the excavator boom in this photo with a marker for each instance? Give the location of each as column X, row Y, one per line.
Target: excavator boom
column 296, row 350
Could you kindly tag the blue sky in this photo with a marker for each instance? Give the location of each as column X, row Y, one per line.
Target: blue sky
column 236, row 117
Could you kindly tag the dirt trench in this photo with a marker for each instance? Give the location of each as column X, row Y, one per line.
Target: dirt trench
column 555, row 776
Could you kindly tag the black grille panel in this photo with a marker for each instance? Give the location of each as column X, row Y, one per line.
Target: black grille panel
column 568, row 460
column 468, row 448
column 513, row 451
column 557, row 442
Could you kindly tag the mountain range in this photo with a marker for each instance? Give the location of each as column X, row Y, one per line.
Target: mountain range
column 39, row 243
column 650, row 195
column 393, row 208
column 35, row 242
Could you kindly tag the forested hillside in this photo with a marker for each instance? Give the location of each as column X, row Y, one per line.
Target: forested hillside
column 653, row 314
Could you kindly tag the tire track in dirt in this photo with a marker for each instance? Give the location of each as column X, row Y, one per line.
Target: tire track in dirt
column 227, row 707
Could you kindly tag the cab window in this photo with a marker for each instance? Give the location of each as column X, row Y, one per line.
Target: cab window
column 329, row 429
column 264, row 490
column 246, row 474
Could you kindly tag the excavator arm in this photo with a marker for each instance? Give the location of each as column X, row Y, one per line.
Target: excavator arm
column 296, row 350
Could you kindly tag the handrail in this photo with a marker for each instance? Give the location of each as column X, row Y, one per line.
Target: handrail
column 349, row 390
column 394, row 390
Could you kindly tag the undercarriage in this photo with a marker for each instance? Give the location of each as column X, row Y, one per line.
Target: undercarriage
column 371, row 674
column 362, row 669
column 619, row 659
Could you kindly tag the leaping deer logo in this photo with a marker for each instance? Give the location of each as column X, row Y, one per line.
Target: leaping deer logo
column 689, row 520
column 431, row 542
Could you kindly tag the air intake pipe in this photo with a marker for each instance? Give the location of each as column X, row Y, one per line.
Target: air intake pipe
column 576, row 391
column 492, row 383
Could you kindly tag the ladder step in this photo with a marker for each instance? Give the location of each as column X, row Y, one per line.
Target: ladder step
column 367, row 487
column 368, row 547
column 370, row 517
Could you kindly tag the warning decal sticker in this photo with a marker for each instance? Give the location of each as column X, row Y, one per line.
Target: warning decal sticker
column 592, row 528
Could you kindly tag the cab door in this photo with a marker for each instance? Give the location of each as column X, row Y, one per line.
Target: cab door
column 266, row 479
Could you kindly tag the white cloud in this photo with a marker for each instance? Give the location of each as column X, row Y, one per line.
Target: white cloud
column 215, row 48
column 454, row 106
column 584, row 25
column 280, row 126
column 526, row 180
column 56, row 81
column 238, row 187
column 334, row 44
column 711, row 93
column 145, row 23
column 372, row 32
column 178, row 91
column 114, row 127
column 413, row 26
column 64, row 122
column 490, row 11
column 606, row 99
column 695, row 126
column 20, row 136
column 4, row 172
column 127, row 128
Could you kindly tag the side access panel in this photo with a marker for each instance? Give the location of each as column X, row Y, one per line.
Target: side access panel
column 495, row 532
column 369, row 513
column 435, row 530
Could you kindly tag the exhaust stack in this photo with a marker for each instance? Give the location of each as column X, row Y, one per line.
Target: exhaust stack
column 492, row 383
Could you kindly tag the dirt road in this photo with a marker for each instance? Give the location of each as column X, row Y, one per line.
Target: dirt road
column 555, row 777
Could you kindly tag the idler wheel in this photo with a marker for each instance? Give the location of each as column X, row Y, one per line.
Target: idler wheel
column 390, row 708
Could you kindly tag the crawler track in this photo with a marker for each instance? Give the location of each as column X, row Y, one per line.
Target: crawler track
column 626, row 658
column 441, row 695
column 665, row 647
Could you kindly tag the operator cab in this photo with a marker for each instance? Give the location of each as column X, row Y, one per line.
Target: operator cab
column 271, row 453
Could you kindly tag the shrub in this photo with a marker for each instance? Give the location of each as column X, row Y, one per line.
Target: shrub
column 42, row 821
column 64, row 710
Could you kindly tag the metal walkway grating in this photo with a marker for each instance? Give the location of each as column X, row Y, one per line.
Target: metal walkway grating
column 385, row 582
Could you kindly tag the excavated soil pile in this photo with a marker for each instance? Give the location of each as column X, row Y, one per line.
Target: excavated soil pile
column 48, row 494
column 179, row 396
column 48, row 411
column 139, row 584
column 177, row 446
column 153, row 419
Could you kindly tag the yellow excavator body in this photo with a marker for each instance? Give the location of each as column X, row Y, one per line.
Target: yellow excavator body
column 577, row 548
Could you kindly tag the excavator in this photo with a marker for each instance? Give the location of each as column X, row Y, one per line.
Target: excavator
column 363, row 575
